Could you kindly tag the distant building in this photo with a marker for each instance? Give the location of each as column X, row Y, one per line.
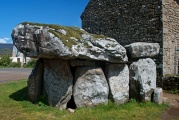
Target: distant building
column 130, row 21
column 18, row 56
column 10, row 50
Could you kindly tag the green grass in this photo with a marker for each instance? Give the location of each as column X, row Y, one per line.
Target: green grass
column 2, row 67
column 172, row 91
column 15, row 106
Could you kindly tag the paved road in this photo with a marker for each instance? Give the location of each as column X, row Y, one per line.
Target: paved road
column 10, row 74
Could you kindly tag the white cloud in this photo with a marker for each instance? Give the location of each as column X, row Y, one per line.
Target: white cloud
column 4, row 40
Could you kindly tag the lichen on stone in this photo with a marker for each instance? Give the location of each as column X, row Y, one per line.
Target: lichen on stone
column 71, row 32
column 55, row 41
column 67, row 41
column 71, row 36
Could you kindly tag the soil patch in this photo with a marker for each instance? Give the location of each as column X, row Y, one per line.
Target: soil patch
column 172, row 113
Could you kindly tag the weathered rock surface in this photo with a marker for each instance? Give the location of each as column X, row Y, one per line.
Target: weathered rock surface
column 53, row 41
column 81, row 63
column 58, row 82
column 142, row 50
column 158, row 96
column 118, row 79
column 142, row 79
column 71, row 110
column 35, row 81
column 91, row 87
column 66, row 51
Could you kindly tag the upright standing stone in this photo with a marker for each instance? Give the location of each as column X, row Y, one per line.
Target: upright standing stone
column 58, row 82
column 142, row 79
column 158, row 96
column 35, row 81
column 118, row 79
column 91, row 87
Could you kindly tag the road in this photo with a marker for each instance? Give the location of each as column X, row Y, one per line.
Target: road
column 11, row 74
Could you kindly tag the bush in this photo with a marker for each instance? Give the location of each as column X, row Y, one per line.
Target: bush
column 5, row 61
column 14, row 64
column 171, row 83
column 30, row 63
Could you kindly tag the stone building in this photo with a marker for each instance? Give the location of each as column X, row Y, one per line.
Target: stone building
column 131, row 21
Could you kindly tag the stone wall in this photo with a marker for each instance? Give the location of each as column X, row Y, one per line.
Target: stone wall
column 132, row 21
column 170, row 35
column 127, row 21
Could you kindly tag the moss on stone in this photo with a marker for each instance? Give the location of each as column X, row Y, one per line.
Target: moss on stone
column 66, row 39
column 87, row 45
column 98, row 36
column 70, row 32
column 66, row 42
column 53, row 26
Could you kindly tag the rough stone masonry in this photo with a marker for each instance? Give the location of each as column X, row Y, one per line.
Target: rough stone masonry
column 76, row 68
column 129, row 21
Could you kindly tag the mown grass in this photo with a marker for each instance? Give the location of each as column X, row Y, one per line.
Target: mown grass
column 15, row 106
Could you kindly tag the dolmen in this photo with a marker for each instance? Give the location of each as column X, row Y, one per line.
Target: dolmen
column 76, row 67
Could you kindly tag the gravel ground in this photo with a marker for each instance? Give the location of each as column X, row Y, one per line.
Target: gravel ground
column 11, row 74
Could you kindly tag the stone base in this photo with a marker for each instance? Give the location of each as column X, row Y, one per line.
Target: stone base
column 118, row 79
column 35, row 81
column 158, row 96
column 142, row 79
column 91, row 87
column 58, row 82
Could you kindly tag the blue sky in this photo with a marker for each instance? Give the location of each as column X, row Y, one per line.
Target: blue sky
column 62, row 12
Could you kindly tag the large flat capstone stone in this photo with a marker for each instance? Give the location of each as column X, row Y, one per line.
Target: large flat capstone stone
column 54, row 41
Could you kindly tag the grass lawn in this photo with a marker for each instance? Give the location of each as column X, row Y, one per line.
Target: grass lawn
column 15, row 106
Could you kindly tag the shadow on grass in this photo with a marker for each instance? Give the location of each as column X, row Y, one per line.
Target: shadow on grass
column 20, row 95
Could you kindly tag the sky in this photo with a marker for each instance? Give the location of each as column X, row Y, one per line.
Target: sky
column 62, row 12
